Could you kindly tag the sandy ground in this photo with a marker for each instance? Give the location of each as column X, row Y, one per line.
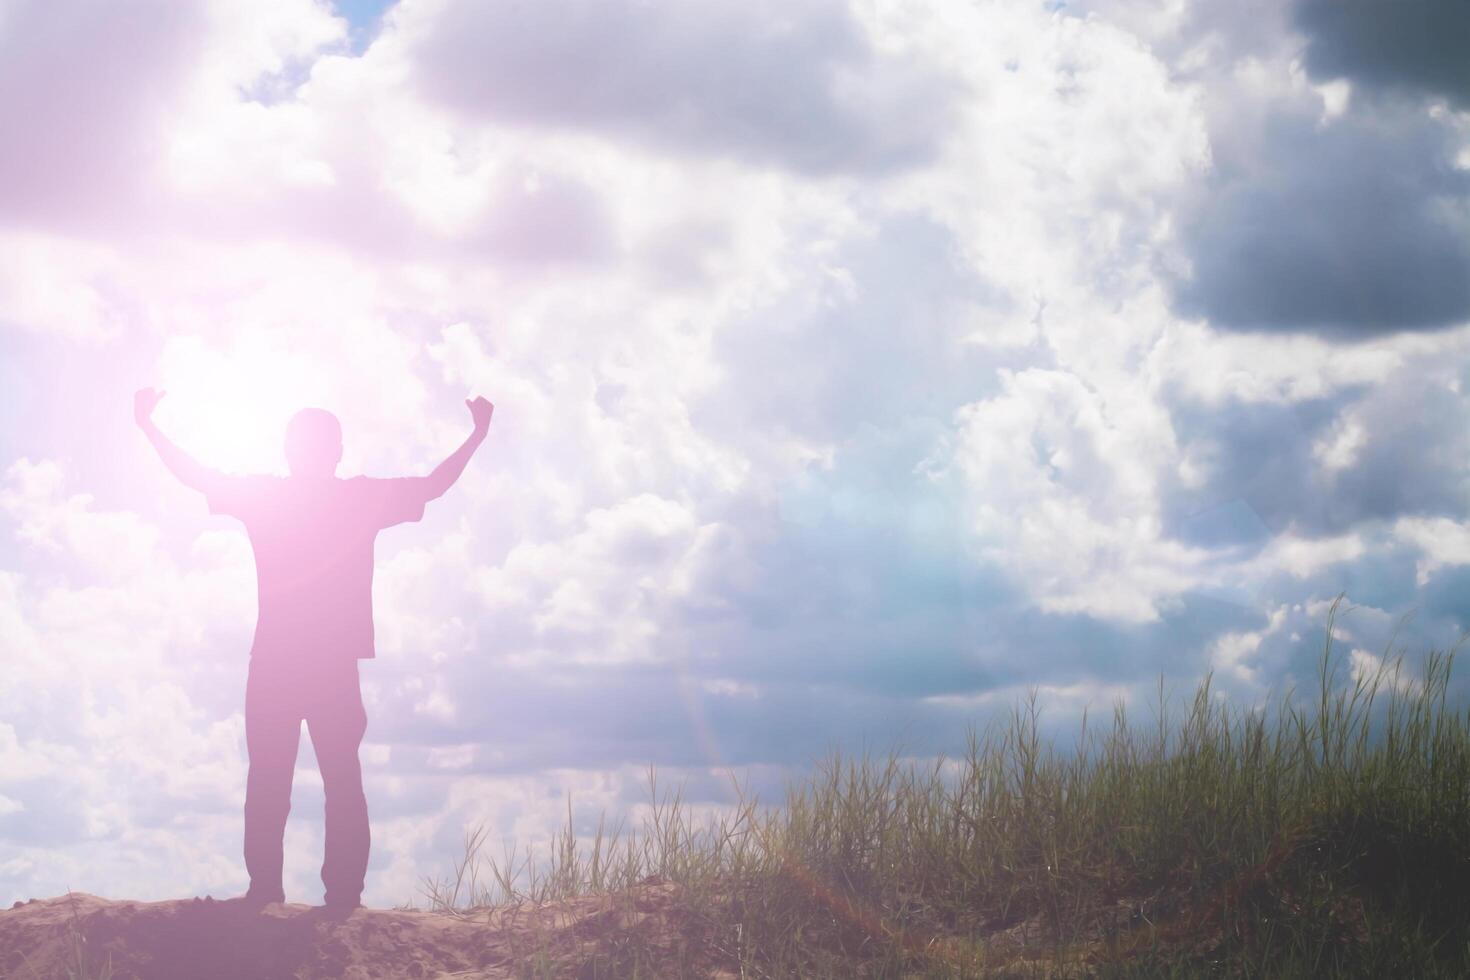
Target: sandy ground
column 204, row 938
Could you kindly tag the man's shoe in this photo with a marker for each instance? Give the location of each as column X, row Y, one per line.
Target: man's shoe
column 340, row 908
column 259, row 898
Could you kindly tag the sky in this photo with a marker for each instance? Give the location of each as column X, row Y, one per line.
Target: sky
column 859, row 367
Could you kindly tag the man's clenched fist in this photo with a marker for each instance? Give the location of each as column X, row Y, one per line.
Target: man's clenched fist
column 480, row 410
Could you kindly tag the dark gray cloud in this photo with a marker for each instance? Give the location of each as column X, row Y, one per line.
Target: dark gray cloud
column 1263, row 474
column 1353, row 228
column 1447, row 595
column 1416, row 457
column 1407, row 45
column 796, row 85
column 1260, row 476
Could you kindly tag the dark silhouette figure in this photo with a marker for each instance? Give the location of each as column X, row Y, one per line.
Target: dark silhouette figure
column 312, row 534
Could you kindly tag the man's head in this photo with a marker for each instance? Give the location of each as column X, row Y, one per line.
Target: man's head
column 313, row 443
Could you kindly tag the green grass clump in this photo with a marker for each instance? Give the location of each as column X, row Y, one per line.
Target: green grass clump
column 1331, row 839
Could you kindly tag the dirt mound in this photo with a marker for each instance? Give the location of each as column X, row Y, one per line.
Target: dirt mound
column 598, row 936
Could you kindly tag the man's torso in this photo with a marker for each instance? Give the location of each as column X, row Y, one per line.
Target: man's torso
column 313, row 543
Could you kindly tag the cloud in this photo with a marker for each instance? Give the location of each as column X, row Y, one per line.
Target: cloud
column 89, row 86
column 58, row 285
column 1352, row 228
column 900, row 296
column 1325, row 209
column 1411, row 45
column 1362, row 448
column 1233, row 652
column 1443, row 542
column 1211, row 367
column 114, row 545
column 95, row 89
column 800, row 86
column 107, row 646
column 597, row 596
column 1048, row 448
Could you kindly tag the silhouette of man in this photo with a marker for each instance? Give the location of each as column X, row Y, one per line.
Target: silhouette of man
column 312, row 534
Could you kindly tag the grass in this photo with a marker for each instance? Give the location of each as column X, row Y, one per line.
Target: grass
column 78, row 964
column 1330, row 838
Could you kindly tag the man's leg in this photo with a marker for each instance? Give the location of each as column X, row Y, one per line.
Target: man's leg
column 337, row 722
column 272, row 735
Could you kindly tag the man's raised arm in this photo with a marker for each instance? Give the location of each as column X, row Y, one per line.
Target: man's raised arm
column 190, row 471
column 444, row 475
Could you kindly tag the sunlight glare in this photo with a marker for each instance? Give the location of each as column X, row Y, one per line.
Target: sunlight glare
column 229, row 407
